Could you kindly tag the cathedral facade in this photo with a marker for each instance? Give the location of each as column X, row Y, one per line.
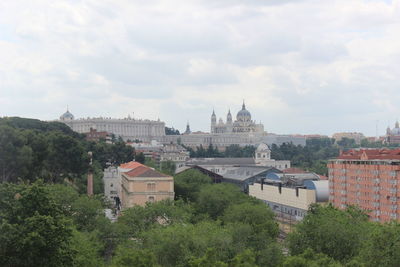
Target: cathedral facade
column 242, row 124
column 393, row 135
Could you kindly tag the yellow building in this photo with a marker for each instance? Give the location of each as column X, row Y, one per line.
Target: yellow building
column 291, row 201
column 143, row 184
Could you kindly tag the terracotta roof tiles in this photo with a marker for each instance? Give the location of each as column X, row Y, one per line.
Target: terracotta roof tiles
column 370, row 154
column 131, row 165
column 144, row 171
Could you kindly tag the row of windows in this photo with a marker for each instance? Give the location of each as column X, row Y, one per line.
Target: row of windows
column 360, row 171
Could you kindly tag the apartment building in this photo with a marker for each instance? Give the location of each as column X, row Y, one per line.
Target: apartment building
column 368, row 178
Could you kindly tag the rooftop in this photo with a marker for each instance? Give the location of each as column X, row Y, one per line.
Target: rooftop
column 371, row 154
column 144, row 171
column 242, row 173
column 131, row 165
column 221, row 161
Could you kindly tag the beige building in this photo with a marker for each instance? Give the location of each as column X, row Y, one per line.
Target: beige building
column 143, row 184
column 350, row 135
column 292, row 201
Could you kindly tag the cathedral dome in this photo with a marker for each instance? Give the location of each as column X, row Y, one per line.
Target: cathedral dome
column 243, row 114
column 67, row 116
column 263, row 148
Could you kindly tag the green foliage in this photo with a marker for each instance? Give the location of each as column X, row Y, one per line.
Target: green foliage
column 188, row 184
column 236, row 151
column 167, row 167
column 244, row 259
column 209, row 259
column 310, row 259
column 15, row 156
column 338, row 234
column 37, row 125
column 383, row 246
column 177, row 244
column 312, row 157
column 140, row 219
column 32, row 149
column 33, row 229
column 87, row 250
column 140, row 158
column 214, row 199
column 259, row 217
column 115, row 153
column 171, row 131
column 133, row 257
column 232, row 151
column 346, row 142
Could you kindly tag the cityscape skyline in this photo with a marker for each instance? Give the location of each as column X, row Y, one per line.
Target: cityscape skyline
column 303, row 67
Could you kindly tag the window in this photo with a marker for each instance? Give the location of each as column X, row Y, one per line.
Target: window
column 151, row 199
column 151, row 187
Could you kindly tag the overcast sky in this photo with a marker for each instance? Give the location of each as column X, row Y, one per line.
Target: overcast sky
column 302, row 66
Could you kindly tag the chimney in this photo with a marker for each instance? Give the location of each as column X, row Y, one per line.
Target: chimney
column 90, row 176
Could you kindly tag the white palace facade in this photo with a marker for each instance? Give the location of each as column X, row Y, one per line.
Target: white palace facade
column 127, row 128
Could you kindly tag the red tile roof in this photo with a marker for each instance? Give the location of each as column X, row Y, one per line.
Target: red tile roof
column 370, row 154
column 294, row 170
column 131, row 165
column 144, row 171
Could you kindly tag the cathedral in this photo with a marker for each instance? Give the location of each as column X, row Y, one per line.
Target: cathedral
column 393, row 135
column 242, row 124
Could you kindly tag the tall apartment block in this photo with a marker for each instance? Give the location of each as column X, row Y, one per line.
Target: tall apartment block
column 368, row 178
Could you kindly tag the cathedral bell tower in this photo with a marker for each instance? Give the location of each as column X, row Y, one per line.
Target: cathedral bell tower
column 229, row 124
column 213, row 122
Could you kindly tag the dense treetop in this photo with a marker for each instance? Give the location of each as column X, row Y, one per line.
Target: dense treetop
column 32, row 149
column 46, row 221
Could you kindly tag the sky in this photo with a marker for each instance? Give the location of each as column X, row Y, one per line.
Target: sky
column 302, row 66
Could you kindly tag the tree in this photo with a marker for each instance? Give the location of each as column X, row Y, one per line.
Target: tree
column 383, row 246
column 310, row 259
column 33, row 229
column 15, row 156
column 188, row 184
column 214, row 199
column 167, row 167
column 259, row 217
column 210, row 258
column 336, row 233
column 87, row 250
column 347, row 142
column 139, row 219
column 171, row 131
column 178, row 244
column 133, row 257
column 140, row 158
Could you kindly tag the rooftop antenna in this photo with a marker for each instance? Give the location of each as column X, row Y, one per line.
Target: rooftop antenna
column 376, row 128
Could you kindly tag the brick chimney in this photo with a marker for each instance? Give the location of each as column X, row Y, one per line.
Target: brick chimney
column 90, row 176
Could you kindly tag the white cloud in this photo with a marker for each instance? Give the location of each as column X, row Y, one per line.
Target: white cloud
column 298, row 64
